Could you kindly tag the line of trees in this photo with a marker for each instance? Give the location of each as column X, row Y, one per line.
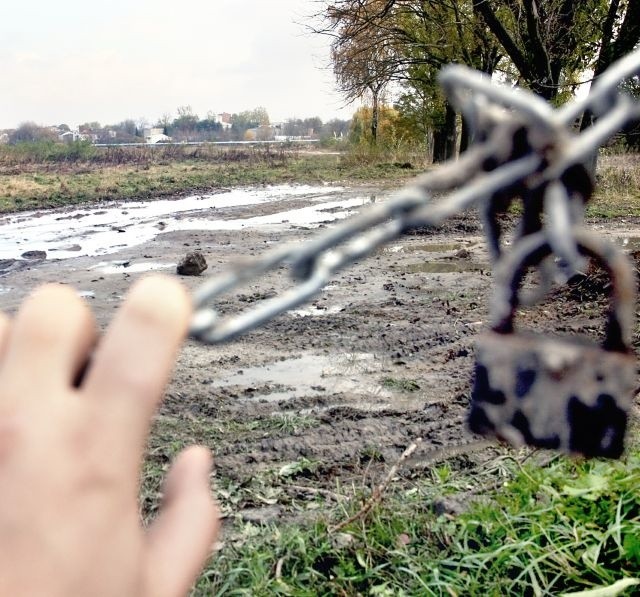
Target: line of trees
column 186, row 126
column 246, row 125
column 547, row 46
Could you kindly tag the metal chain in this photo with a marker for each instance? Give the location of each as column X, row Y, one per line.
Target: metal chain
column 522, row 148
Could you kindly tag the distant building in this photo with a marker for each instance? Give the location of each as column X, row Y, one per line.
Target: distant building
column 155, row 135
column 224, row 118
column 161, row 138
column 151, row 132
column 70, row 136
column 4, row 138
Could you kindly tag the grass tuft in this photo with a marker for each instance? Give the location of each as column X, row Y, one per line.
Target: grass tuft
column 547, row 529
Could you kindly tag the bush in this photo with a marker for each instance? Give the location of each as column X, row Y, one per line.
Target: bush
column 47, row 151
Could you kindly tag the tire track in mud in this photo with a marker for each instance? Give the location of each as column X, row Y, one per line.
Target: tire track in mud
column 344, row 442
column 393, row 325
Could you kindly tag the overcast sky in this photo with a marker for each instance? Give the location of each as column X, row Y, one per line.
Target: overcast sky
column 72, row 61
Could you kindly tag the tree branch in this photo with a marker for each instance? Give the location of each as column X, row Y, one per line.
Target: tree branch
column 517, row 57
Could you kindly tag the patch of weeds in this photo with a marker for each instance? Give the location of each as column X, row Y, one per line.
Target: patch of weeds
column 290, row 422
column 525, row 529
column 299, row 468
column 257, row 492
column 287, row 423
column 617, row 187
column 151, row 479
column 236, row 427
column 403, row 385
column 371, row 453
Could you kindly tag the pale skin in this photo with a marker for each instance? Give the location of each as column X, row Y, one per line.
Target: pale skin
column 70, row 456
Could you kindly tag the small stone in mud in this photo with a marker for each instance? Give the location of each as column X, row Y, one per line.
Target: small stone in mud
column 447, row 506
column 9, row 265
column 261, row 515
column 33, row 255
column 68, row 248
column 463, row 254
column 342, row 540
column 192, row 264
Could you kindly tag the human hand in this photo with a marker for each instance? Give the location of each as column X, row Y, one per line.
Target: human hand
column 70, row 456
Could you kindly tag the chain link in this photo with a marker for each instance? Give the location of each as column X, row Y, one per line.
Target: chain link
column 522, row 148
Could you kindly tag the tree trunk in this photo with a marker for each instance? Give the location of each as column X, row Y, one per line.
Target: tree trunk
column 588, row 119
column 374, row 119
column 439, row 142
column 450, row 132
column 465, row 135
column 612, row 50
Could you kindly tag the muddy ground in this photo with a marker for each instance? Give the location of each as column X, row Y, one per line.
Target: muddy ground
column 326, row 397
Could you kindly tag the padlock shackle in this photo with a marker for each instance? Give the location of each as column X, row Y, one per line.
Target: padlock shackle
column 530, row 250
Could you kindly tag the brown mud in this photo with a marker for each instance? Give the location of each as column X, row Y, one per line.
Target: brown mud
column 326, row 397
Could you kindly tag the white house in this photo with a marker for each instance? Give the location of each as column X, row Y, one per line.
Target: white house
column 70, row 136
column 155, row 135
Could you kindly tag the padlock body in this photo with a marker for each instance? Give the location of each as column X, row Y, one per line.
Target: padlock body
column 552, row 393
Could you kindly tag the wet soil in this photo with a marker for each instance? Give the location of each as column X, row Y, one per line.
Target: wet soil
column 330, row 394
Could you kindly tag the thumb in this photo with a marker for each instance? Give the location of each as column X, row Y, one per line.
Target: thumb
column 180, row 539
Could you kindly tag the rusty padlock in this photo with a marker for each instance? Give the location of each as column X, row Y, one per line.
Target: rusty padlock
column 560, row 393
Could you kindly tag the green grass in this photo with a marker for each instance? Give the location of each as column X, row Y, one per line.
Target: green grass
column 403, row 385
column 52, row 175
column 528, row 529
column 530, row 525
column 142, row 174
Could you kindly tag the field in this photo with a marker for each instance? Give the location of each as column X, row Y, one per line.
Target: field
column 343, row 463
column 45, row 175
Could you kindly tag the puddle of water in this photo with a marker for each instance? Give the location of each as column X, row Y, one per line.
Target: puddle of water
column 434, row 248
column 395, row 249
column 314, row 311
column 429, row 247
column 310, row 216
column 306, row 374
column 126, row 267
column 100, row 230
column 444, row 267
column 630, row 243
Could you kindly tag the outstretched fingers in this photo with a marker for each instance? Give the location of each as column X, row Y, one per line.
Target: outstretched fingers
column 47, row 344
column 5, row 325
column 181, row 538
column 132, row 364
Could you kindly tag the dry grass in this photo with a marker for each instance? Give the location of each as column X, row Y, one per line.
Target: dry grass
column 617, row 186
column 619, row 173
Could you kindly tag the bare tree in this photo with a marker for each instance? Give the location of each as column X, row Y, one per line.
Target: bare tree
column 375, row 42
column 29, row 132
